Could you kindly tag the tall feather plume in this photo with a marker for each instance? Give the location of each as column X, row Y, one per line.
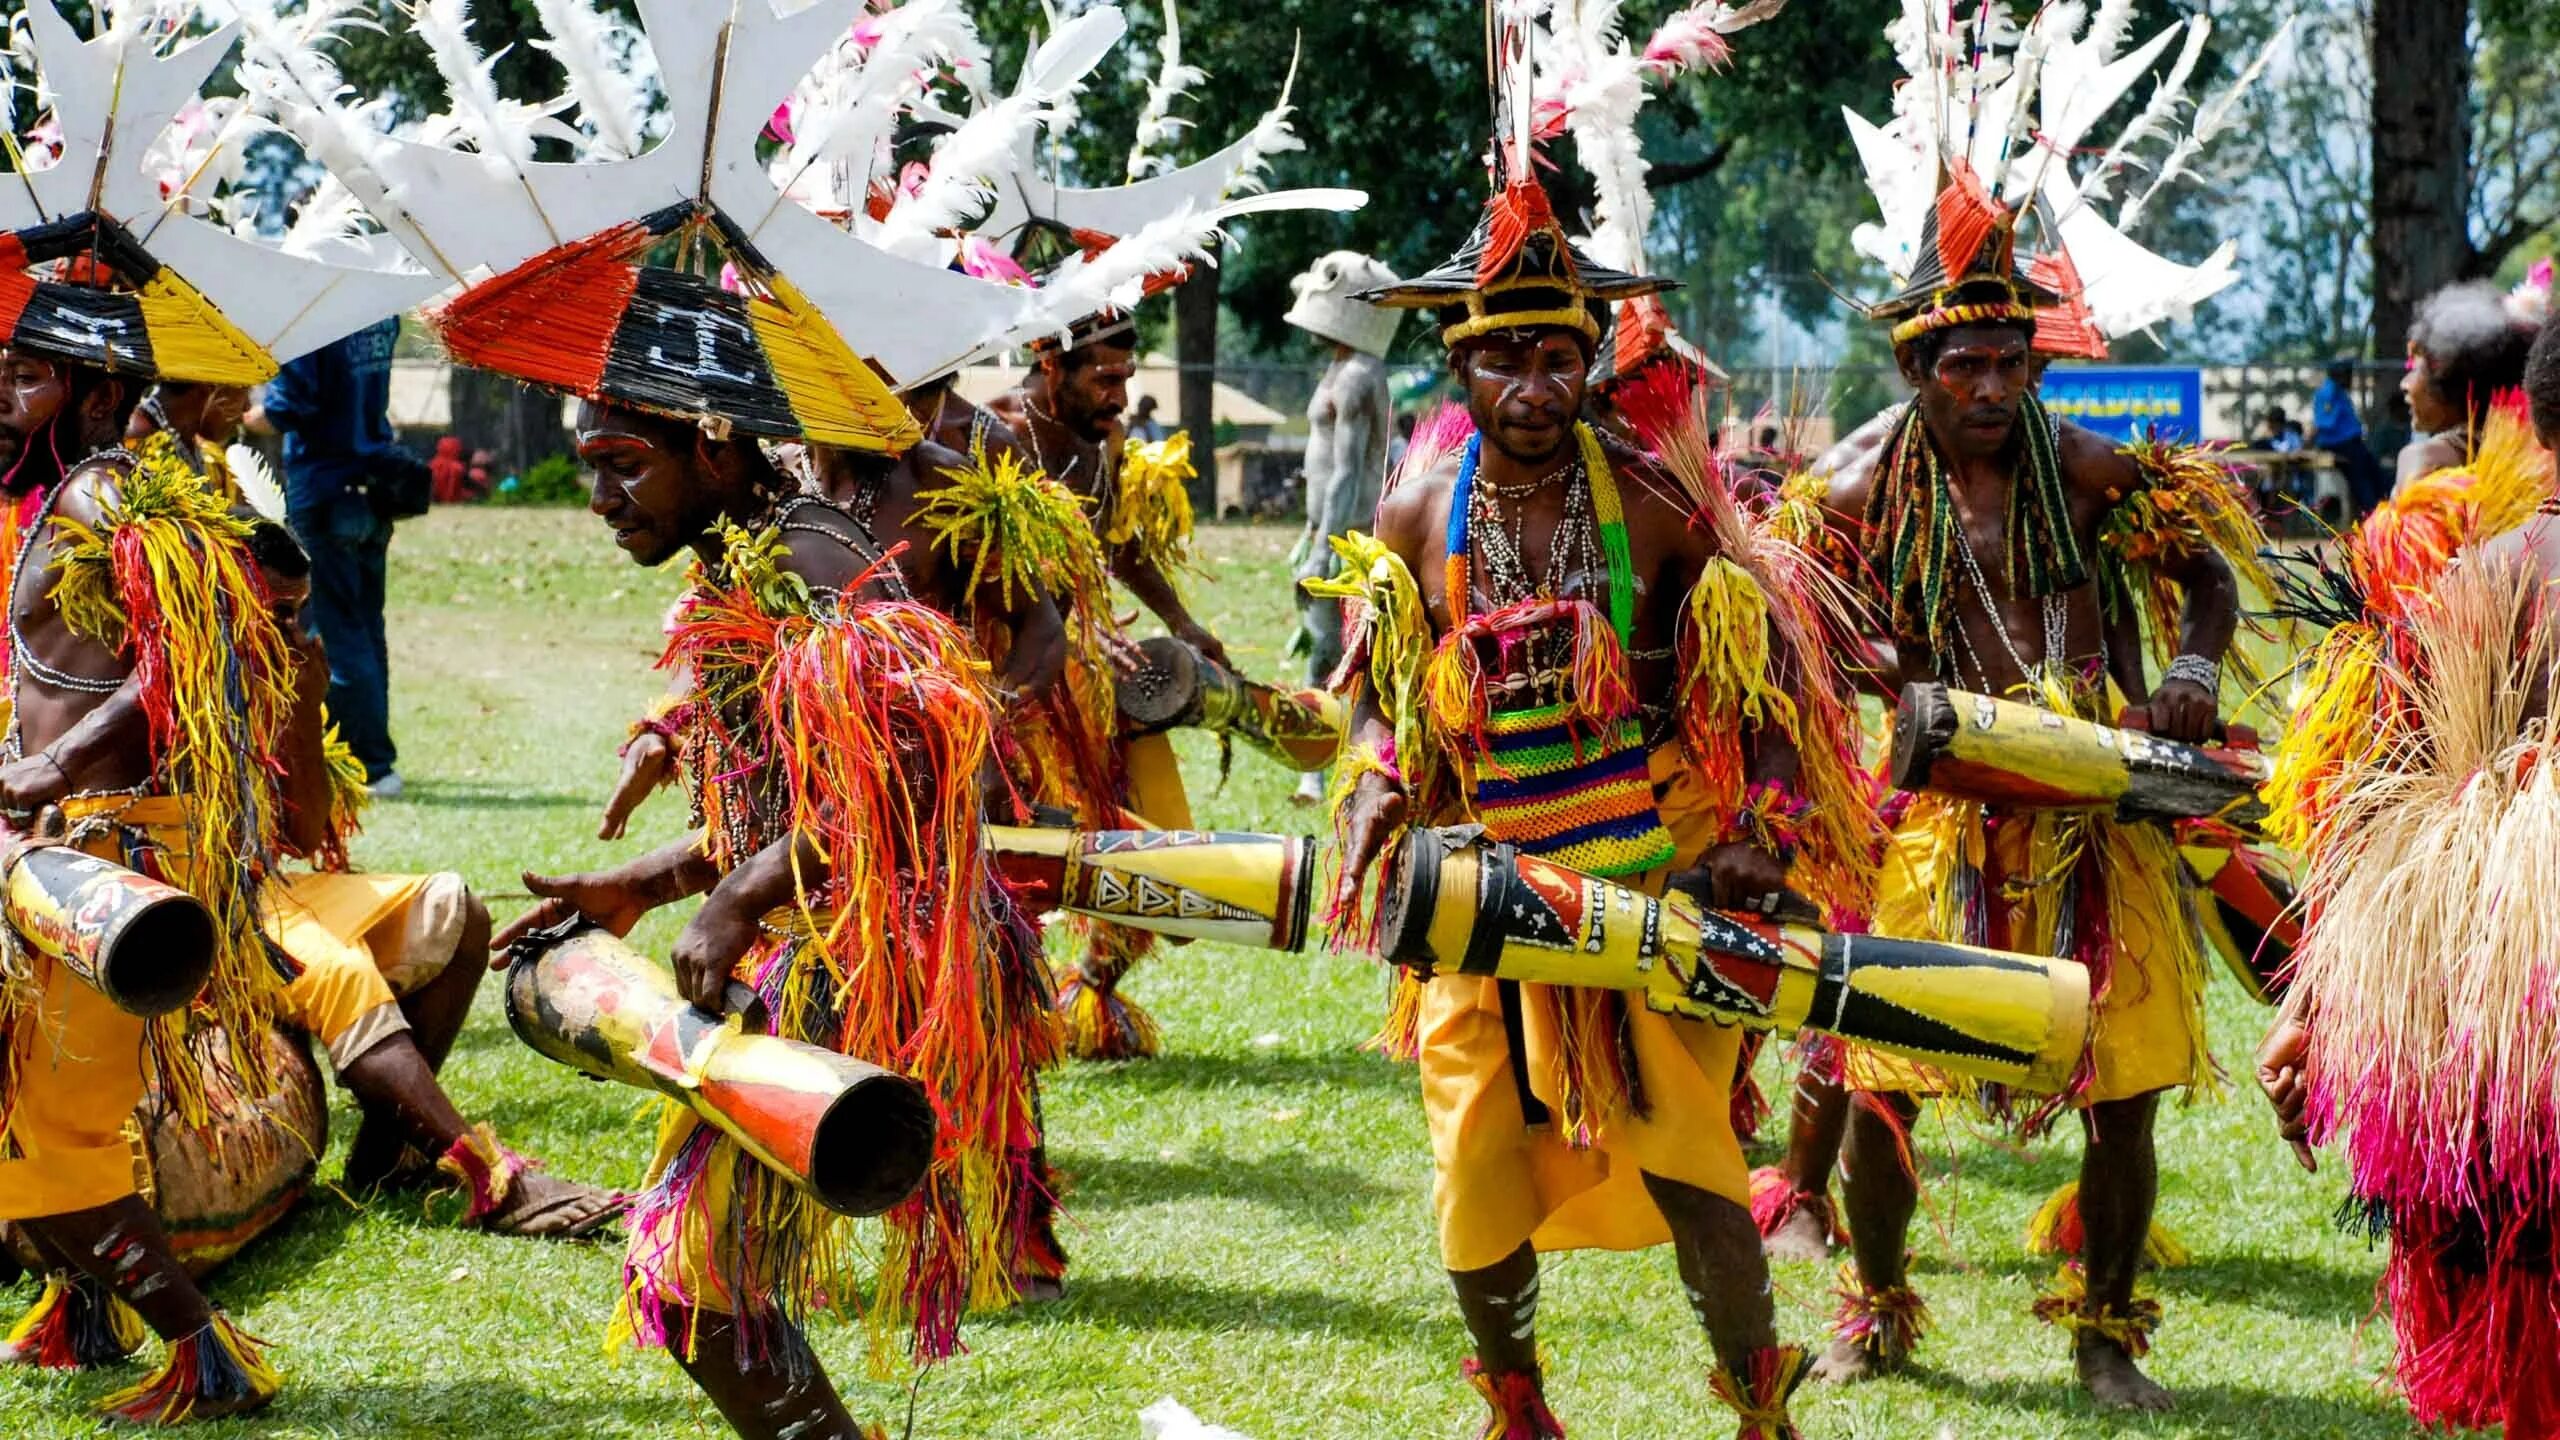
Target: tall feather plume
column 2159, row 115
column 1158, row 126
column 284, row 69
column 329, row 214
column 1271, row 137
column 849, row 104
column 967, row 163
column 1586, row 72
column 2051, row 25
column 258, row 487
column 2212, row 118
column 2107, row 31
column 499, row 129
column 1115, row 277
column 596, row 53
column 1696, row 37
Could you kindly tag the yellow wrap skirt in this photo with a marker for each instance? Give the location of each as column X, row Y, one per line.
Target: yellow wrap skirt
column 81, row 1068
column 1496, row 1182
column 2146, row 1030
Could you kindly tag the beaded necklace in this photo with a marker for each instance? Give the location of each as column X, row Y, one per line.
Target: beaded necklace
column 1913, row 529
column 1607, row 513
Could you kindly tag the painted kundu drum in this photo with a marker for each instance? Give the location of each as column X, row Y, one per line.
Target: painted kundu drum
column 1177, row 687
column 856, row 1137
column 145, row 945
column 2000, row 752
column 1238, row 886
column 218, row 1188
column 1467, row 907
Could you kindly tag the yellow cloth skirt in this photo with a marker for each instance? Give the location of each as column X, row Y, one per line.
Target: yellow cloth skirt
column 1155, row 783
column 364, row 942
column 2146, row 1029
column 1497, row 1183
column 80, row 1058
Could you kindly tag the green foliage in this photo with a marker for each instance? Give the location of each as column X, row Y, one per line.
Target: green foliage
column 551, row 480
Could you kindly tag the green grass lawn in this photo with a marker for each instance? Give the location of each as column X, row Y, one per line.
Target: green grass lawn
column 1250, row 1214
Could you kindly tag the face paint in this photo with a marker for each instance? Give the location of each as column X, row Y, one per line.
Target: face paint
column 33, row 393
column 1971, row 396
column 637, row 485
column 1524, row 388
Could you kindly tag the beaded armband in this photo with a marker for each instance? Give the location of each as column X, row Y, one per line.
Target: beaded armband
column 666, row 719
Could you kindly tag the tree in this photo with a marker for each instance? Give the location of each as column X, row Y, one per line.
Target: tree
column 2421, row 157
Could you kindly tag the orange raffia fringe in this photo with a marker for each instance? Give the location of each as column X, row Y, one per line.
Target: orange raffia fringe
column 75, row 1325
column 870, row 722
column 1886, row 1323
column 1519, row 1405
column 1758, row 1397
column 1520, row 211
column 166, row 579
column 550, row 320
column 221, row 1363
column 1762, row 645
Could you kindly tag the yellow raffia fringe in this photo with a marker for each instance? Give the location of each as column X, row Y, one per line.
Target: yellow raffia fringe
column 191, row 340
column 2161, row 1249
column 1154, row 509
column 2338, row 726
column 2065, row 1306
column 219, row 692
column 1009, row 521
column 1395, row 634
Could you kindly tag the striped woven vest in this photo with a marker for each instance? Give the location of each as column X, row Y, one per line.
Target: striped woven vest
column 1564, row 791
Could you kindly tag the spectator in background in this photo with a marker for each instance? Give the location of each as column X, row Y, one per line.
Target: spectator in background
column 2338, row 429
column 1143, row 424
column 346, row 479
column 2467, row 347
column 2277, row 433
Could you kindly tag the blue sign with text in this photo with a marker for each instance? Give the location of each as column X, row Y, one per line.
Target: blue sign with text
column 2126, row 402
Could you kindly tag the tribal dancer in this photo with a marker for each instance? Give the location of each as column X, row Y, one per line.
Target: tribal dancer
column 834, row 733
column 2465, row 355
column 388, row 963
column 1553, row 649
column 2419, row 783
column 1350, row 420
column 151, row 684
column 2019, row 556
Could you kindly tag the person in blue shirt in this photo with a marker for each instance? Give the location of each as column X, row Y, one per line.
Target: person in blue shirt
column 2338, row 429
column 345, row 479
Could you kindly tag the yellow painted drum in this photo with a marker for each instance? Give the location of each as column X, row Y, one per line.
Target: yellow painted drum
column 1465, row 906
column 856, row 1137
column 1241, row 887
column 1177, row 686
column 2022, row 757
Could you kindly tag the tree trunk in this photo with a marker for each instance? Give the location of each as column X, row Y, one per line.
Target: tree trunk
column 2421, row 53
column 1195, row 349
column 516, row 424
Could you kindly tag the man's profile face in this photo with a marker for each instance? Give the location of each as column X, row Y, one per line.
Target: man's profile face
column 223, row 407
column 1089, row 391
column 1524, row 388
column 33, row 391
column 1971, row 396
column 643, row 482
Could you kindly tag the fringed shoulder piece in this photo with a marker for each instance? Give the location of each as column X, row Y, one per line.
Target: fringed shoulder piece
column 166, row 578
column 347, row 801
column 1761, row 647
column 1153, row 508
column 1911, row 523
column 1008, row 522
column 1390, row 645
column 1800, row 516
column 2185, row 503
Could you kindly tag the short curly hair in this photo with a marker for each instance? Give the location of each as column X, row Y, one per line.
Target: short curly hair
column 2475, row 349
column 2542, row 380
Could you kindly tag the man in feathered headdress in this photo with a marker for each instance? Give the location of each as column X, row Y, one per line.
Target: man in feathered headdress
column 1534, row 656
column 2417, row 782
column 2015, row 555
column 1350, row 420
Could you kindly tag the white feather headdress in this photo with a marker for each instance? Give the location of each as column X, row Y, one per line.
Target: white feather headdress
column 113, row 99
column 2013, row 108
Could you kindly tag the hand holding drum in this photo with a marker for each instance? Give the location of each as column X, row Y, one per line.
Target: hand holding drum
column 1466, row 907
column 2000, row 752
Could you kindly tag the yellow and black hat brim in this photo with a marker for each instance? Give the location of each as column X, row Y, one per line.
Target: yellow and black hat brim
column 125, row 312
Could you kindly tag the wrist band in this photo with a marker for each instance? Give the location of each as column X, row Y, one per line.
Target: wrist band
column 1770, row 818
column 2195, row 670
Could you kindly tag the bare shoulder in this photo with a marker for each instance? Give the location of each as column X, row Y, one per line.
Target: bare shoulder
column 2095, row 465
column 1406, row 513
column 89, row 492
column 826, row 548
column 929, row 465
